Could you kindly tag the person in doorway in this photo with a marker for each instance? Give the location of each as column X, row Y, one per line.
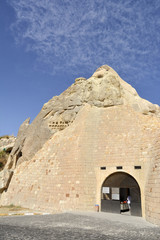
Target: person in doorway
column 129, row 202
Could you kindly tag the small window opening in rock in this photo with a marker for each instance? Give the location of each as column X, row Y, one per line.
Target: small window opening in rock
column 100, row 75
column 1, row 165
column 119, row 167
column 19, row 155
column 137, row 167
column 9, row 150
column 103, row 168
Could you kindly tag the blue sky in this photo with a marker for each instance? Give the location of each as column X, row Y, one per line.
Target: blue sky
column 46, row 44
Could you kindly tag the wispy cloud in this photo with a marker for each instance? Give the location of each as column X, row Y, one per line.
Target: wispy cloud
column 71, row 34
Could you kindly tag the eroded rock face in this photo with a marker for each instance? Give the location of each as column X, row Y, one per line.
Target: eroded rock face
column 7, row 143
column 6, row 146
column 103, row 89
column 16, row 153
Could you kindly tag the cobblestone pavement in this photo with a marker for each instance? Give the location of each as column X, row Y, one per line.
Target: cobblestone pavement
column 77, row 226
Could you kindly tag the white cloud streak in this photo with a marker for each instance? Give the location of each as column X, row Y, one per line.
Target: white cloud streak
column 70, row 34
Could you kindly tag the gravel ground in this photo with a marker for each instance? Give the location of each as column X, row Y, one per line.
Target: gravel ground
column 80, row 225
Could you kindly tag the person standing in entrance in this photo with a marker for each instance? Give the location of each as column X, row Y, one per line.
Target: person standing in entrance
column 129, row 202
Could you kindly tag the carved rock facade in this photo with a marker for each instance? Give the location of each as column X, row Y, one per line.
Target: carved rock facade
column 61, row 160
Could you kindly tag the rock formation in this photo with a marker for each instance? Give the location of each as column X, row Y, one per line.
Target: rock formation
column 103, row 89
column 7, row 143
column 62, row 150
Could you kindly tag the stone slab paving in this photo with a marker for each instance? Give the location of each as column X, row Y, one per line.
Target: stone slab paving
column 79, row 225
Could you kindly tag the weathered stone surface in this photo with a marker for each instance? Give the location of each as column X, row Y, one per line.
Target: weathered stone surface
column 103, row 89
column 57, row 159
column 7, row 143
column 5, row 177
column 16, row 152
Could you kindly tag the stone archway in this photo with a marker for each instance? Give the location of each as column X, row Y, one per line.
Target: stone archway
column 115, row 190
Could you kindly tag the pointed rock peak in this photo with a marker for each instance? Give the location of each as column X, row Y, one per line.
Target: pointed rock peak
column 108, row 89
column 104, row 88
column 24, row 126
column 104, row 70
column 103, row 67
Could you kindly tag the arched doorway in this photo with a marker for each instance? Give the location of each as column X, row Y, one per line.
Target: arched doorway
column 114, row 193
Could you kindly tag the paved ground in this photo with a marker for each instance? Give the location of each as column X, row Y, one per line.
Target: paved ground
column 68, row 226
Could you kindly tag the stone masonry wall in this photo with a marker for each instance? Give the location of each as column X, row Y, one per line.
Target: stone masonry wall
column 153, row 184
column 65, row 174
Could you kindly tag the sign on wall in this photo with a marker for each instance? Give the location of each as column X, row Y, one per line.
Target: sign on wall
column 106, row 190
column 115, row 194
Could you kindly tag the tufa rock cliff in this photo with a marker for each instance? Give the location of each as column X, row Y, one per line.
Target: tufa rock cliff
column 104, row 89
